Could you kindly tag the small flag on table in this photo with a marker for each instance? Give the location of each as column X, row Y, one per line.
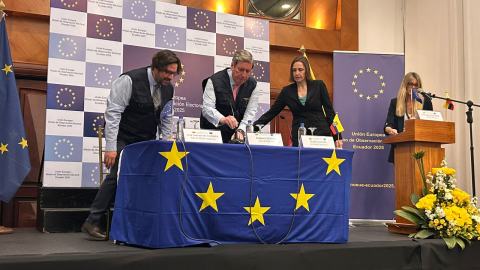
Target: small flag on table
column 336, row 126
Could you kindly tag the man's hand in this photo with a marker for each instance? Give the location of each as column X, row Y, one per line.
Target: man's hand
column 109, row 158
column 230, row 121
column 239, row 135
column 339, row 144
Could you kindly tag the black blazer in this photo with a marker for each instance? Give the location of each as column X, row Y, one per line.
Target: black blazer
column 397, row 122
column 311, row 114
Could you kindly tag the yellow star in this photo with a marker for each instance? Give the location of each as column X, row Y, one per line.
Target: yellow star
column 174, row 157
column 3, row 148
column 383, row 84
column 257, row 212
column 360, row 71
column 381, row 77
column 368, row 69
column 7, row 69
column 375, row 71
column 355, row 76
column 381, row 91
column 368, row 97
column 176, row 84
column 23, row 143
column 355, row 90
column 361, row 95
column 333, row 163
column 209, row 198
column 302, row 199
column 353, row 83
column 375, row 96
column 183, row 72
column 181, row 79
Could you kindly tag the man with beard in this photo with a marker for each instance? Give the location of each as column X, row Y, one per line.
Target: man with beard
column 132, row 115
column 230, row 98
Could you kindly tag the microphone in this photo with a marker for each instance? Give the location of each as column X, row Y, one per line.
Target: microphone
column 283, row 117
column 425, row 94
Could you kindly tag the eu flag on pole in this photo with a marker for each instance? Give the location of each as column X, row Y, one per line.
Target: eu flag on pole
column 416, row 96
column 14, row 158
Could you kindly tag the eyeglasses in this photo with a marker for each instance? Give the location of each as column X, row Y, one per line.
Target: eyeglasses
column 170, row 73
column 412, row 85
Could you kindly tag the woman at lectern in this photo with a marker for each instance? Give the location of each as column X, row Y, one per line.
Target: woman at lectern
column 398, row 112
column 307, row 100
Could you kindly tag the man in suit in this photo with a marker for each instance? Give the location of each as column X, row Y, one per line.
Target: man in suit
column 230, row 98
column 132, row 115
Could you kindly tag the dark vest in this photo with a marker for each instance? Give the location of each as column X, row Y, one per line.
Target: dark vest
column 140, row 119
column 225, row 103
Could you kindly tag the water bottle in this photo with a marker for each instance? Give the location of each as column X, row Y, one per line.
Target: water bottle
column 180, row 127
column 301, row 131
column 250, row 126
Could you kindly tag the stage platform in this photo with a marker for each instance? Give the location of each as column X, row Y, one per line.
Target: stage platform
column 369, row 247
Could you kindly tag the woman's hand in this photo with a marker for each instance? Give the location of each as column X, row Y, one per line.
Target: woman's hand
column 391, row 131
column 339, row 144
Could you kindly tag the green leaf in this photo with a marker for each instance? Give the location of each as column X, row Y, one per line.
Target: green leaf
column 424, row 234
column 414, row 211
column 414, row 198
column 460, row 242
column 451, row 241
column 407, row 215
column 419, row 155
column 412, row 235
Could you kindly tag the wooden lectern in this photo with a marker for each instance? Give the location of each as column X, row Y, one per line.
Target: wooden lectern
column 419, row 135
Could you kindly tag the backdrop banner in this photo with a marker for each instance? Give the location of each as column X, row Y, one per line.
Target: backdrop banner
column 364, row 84
column 93, row 42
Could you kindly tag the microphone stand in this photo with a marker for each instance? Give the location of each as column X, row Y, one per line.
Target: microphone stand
column 470, row 122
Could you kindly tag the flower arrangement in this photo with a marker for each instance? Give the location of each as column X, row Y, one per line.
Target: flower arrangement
column 444, row 211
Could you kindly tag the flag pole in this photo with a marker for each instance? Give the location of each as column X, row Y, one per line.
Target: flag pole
column 446, row 110
column 413, row 101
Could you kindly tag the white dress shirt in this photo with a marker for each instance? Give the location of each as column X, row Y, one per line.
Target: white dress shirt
column 118, row 100
column 213, row 116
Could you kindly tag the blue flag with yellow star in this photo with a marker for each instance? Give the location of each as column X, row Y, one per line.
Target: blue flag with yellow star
column 168, row 196
column 14, row 158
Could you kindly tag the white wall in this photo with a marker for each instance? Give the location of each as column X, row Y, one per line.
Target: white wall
column 380, row 27
column 441, row 44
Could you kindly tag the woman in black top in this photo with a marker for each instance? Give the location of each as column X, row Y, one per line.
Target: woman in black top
column 398, row 112
column 308, row 101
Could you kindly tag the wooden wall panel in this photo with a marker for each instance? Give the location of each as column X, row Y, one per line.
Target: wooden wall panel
column 28, row 38
column 349, row 25
column 31, row 7
column 224, row 6
column 321, row 14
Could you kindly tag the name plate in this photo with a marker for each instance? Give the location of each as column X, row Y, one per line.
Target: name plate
column 325, row 142
column 429, row 115
column 273, row 139
column 202, row 135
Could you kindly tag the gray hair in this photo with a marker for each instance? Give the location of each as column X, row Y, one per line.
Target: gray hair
column 242, row 56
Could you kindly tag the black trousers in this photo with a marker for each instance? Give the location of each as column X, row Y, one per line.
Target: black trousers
column 106, row 193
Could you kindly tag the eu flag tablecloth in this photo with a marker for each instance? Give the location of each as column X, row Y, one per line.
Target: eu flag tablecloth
column 220, row 201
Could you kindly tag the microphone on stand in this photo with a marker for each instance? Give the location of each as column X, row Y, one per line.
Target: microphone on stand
column 283, row 117
column 425, row 94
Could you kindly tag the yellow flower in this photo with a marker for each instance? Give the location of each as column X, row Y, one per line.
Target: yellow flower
column 442, row 221
column 431, row 225
column 449, row 171
column 435, row 170
column 426, row 202
column 460, row 195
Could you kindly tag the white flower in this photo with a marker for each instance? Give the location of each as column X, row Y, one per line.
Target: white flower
column 476, row 218
column 440, row 212
column 448, row 196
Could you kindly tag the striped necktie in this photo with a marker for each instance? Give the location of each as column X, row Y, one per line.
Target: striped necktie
column 156, row 99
